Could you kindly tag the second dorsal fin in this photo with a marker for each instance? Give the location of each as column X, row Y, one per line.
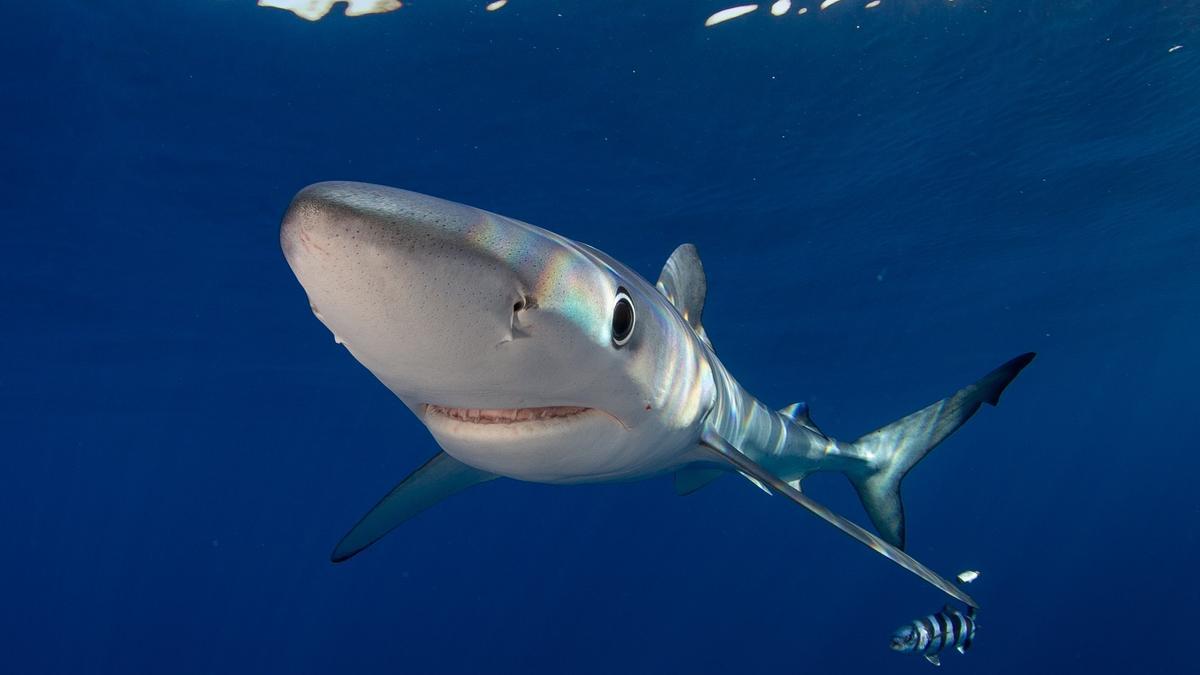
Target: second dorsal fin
column 682, row 281
column 798, row 413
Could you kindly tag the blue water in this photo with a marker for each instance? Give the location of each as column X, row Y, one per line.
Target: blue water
column 889, row 203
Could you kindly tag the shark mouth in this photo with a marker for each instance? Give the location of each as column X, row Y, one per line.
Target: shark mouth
column 504, row 415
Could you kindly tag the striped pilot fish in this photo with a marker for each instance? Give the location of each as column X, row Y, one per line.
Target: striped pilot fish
column 932, row 634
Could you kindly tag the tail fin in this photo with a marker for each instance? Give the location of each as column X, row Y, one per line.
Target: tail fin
column 896, row 448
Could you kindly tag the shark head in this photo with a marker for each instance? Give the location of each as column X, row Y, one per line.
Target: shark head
column 525, row 354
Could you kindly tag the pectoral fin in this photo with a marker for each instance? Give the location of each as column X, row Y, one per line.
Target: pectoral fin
column 933, row 658
column 726, row 452
column 440, row 477
column 689, row 479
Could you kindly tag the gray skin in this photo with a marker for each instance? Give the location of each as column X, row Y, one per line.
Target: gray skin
column 502, row 338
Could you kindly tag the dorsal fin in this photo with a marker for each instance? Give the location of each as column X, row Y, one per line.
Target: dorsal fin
column 798, row 413
column 682, row 281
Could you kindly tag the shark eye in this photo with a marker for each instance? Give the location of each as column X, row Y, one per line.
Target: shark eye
column 623, row 318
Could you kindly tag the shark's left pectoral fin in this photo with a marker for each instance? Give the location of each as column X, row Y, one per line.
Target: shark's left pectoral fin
column 724, row 451
column 439, row 478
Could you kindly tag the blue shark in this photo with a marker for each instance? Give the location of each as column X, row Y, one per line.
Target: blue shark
column 531, row 356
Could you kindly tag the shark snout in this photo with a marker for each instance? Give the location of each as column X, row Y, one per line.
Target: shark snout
column 348, row 224
column 429, row 293
column 298, row 240
column 327, row 219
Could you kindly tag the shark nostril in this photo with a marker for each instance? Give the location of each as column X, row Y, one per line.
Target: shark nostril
column 519, row 323
column 524, row 302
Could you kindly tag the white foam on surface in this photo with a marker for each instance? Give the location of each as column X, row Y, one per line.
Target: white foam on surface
column 314, row 10
column 728, row 14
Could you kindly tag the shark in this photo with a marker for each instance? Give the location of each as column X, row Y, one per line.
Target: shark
column 531, row 356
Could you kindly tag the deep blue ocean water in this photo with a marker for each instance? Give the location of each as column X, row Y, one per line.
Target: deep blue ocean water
column 889, row 203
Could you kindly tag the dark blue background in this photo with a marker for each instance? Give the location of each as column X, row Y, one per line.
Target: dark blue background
column 889, row 203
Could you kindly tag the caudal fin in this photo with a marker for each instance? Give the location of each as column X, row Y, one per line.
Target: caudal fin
column 896, row 448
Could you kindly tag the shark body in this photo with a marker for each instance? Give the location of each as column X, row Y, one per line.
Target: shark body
column 530, row 356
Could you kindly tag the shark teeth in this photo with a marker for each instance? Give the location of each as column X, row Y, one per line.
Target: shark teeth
column 504, row 415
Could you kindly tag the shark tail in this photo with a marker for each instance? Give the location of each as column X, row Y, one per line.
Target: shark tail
column 894, row 449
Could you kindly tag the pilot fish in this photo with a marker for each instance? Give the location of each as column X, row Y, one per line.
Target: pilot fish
column 932, row 634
